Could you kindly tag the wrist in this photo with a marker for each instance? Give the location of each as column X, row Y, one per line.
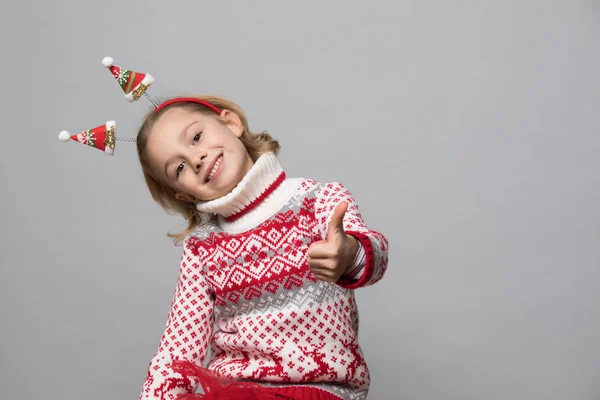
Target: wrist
column 353, row 252
column 356, row 269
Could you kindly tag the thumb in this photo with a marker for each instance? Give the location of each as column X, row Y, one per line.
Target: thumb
column 336, row 224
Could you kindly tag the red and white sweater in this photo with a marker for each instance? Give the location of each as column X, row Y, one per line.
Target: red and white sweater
column 246, row 290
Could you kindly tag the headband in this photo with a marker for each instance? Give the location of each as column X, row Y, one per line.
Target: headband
column 188, row 100
column 134, row 85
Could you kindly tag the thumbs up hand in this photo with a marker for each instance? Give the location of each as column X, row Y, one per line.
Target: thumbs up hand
column 329, row 258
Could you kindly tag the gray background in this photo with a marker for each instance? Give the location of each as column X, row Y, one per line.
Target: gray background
column 468, row 132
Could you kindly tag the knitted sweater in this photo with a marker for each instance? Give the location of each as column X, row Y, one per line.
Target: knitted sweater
column 245, row 289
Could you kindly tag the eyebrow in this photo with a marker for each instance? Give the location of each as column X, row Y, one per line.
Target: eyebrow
column 181, row 137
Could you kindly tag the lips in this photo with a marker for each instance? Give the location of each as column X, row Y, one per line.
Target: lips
column 214, row 168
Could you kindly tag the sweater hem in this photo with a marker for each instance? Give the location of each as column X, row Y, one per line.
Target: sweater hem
column 338, row 389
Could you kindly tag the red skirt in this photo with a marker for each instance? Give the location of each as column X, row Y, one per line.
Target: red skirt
column 220, row 388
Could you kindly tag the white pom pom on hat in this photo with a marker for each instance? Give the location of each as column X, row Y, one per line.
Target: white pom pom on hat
column 64, row 136
column 107, row 62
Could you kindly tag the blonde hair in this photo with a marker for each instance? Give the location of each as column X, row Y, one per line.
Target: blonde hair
column 256, row 144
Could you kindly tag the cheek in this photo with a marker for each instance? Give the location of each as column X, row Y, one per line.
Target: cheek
column 236, row 144
column 189, row 181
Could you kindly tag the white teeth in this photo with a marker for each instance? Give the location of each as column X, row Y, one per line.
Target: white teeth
column 215, row 168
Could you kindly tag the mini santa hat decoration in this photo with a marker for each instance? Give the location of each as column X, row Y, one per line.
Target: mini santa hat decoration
column 101, row 137
column 134, row 84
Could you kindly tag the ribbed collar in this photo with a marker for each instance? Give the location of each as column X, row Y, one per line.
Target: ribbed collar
column 265, row 176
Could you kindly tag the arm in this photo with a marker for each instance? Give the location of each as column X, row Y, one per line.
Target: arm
column 374, row 244
column 187, row 333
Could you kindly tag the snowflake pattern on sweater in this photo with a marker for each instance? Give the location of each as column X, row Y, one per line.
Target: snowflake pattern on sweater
column 252, row 297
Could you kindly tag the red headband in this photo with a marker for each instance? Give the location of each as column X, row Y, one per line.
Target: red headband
column 188, row 100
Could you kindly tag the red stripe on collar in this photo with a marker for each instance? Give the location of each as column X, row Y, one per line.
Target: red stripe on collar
column 259, row 199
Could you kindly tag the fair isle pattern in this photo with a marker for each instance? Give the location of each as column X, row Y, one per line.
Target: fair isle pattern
column 308, row 294
column 187, row 334
column 274, row 322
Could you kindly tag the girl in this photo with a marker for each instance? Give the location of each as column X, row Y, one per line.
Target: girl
column 268, row 269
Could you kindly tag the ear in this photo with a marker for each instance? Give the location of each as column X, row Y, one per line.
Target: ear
column 185, row 197
column 233, row 122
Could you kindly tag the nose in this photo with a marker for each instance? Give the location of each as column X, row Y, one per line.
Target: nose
column 200, row 161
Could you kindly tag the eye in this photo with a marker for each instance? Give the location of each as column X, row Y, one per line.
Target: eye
column 179, row 169
column 197, row 137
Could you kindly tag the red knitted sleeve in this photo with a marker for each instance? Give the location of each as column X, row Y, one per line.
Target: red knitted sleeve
column 374, row 243
column 187, row 333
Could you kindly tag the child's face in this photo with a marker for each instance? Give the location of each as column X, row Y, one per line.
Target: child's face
column 196, row 155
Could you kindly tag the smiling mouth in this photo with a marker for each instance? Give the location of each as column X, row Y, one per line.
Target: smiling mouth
column 214, row 169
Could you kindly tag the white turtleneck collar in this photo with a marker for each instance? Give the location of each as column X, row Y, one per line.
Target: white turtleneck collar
column 259, row 195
